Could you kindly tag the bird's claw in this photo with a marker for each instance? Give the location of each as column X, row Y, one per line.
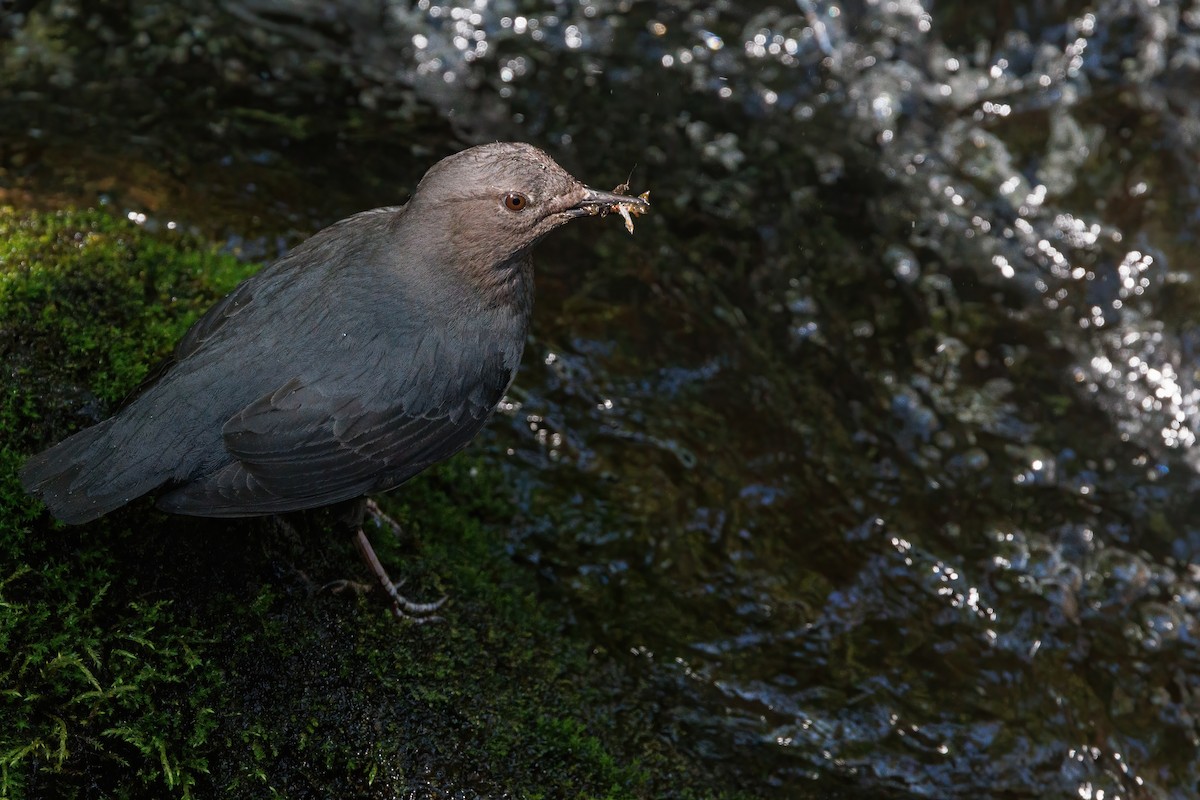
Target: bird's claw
column 406, row 609
column 342, row 584
column 402, row 607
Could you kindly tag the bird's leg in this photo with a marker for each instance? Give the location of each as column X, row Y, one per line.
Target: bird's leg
column 383, row 520
column 402, row 607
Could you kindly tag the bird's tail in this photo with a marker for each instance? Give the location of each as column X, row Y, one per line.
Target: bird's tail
column 81, row 478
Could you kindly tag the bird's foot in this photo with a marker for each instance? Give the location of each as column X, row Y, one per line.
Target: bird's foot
column 342, row 584
column 402, row 607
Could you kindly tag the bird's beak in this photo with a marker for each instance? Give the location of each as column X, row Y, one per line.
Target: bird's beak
column 605, row 203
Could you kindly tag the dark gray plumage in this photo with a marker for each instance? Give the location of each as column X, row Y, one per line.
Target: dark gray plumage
column 374, row 349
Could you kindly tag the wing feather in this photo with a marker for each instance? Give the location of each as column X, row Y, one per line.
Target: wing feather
column 304, row 446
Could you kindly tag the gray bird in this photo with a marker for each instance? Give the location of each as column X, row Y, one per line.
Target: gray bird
column 373, row 350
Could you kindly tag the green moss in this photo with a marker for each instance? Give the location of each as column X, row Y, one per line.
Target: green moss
column 94, row 676
column 149, row 655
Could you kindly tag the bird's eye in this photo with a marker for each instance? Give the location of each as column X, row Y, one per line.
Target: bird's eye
column 515, row 201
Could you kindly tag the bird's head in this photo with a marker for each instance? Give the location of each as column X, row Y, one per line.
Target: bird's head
column 495, row 201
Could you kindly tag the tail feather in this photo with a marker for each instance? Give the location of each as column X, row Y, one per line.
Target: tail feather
column 77, row 480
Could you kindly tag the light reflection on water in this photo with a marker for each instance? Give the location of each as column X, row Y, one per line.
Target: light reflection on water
column 1013, row 232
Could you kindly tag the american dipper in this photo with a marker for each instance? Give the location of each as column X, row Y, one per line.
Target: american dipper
column 373, row 350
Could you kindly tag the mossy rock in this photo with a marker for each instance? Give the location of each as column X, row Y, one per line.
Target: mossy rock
column 147, row 655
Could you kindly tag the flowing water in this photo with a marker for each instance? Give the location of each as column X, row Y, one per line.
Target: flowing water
column 866, row 466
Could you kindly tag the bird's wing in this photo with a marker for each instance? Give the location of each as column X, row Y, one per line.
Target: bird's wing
column 238, row 301
column 225, row 309
column 300, row 439
column 304, row 446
